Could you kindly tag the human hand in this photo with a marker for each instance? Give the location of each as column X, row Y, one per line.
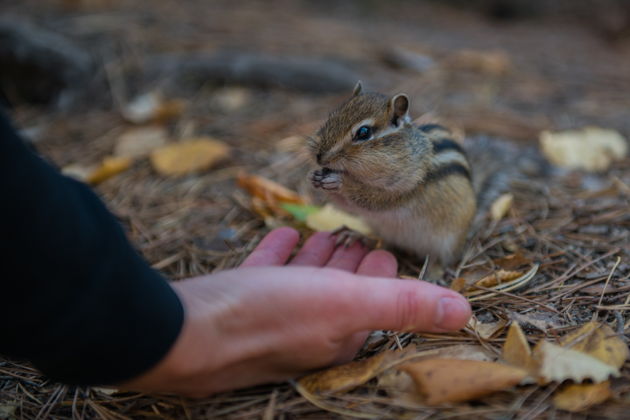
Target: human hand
column 267, row 322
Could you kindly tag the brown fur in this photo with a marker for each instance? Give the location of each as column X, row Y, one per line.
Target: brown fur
column 388, row 179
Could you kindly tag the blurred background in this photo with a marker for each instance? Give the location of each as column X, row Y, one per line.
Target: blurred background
column 99, row 86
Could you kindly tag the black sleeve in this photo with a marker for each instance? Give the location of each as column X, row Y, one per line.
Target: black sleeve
column 77, row 300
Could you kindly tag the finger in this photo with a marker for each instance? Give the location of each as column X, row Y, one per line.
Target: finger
column 316, row 251
column 368, row 303
column 351, row 347
column 274, row 249
column 347, row 259
column 378, row 263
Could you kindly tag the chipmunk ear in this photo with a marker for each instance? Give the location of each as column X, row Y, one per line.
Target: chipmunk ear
column 357, row 89
column 399, row 105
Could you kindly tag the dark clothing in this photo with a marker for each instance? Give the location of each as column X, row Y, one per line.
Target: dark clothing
column 77, row 300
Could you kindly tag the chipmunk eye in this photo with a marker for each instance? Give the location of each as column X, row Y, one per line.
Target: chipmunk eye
column 363, row 133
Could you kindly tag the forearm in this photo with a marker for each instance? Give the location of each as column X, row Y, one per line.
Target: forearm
column 80, row 303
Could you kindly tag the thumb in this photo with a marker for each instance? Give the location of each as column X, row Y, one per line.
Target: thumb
column 374, row 303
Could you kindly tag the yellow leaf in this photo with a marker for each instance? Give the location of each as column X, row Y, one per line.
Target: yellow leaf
column 329, row 218
column 579, row 397
column 590, row 148
column 111, row 165
column 189, row 156
column 501, row 206
column 599, row 341
column 559, row 364
column 451, row 380
column 516, row 350
column 139, row 142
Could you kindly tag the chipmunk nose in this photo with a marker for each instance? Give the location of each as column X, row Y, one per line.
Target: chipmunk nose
column 319, row 158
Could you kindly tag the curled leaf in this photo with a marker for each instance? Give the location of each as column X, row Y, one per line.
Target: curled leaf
column 267, row 190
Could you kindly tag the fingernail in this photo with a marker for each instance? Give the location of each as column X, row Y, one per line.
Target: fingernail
column 451, row 313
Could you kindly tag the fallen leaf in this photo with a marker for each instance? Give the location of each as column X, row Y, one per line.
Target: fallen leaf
column 498, row 277
column 600, row 341
column 111, row 166
column 152, row 106
column 559, row 364
column 589, row 148
column 353, row 374
column 451, row 380
column 516, row 350
column 486, row 330
column 458, row 284
column 140, row 142
column 513, row 261
column 579, row 397
column 501, row 206
column 466, row 352
column 193, row 155
column 329, row 218
column 267, row 190
column 299, row 211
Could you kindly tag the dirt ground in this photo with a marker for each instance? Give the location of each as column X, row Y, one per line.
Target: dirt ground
column 507, row 78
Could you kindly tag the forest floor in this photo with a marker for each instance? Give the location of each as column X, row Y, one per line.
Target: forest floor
column 507, row 79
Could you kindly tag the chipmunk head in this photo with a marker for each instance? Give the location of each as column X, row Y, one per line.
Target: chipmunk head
column 368, row 135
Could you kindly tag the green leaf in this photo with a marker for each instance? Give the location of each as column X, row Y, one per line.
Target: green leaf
column 299, row 211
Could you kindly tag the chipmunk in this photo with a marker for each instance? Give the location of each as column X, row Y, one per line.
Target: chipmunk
column 413, row 185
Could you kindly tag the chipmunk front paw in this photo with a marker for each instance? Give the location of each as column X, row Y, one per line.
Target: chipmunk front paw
column 326, row 179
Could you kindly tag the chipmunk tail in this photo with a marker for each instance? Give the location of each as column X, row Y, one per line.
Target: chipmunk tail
column 496, row 165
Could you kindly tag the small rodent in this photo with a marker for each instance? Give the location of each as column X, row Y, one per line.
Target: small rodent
column 412, row 184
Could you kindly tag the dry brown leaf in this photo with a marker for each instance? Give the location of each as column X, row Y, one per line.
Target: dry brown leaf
column 152, row 107
column 111, row 165
column 458, row 284
column 267, row 190
column 501, row 206
column 486, row 330
column 353, row 374
column 330, row 218
column 559, row 364
column 590, row 148
column 140, row 142
column 516, row 350
column 498, row 277
column 466, row 352
column 452, row 380
column 579, row 397
column 193, row 155
column 600, row 341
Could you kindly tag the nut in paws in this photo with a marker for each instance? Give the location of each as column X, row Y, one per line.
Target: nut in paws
column 326, row 179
